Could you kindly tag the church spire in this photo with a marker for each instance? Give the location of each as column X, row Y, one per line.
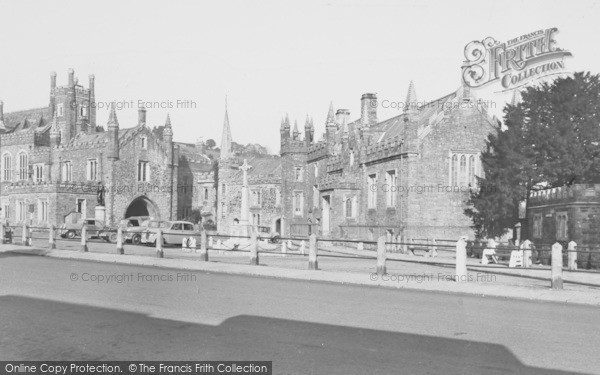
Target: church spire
column 226, row 136
column 330, row 115
column 411, row 98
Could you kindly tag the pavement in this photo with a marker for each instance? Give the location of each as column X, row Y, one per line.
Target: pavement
column 351, row 267
column 67, row 309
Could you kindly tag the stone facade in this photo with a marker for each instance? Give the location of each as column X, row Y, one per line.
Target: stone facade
column 53, row 161
column 563, row 214
column 406, row 176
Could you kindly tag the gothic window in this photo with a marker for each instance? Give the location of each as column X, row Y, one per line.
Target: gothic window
column 60, row 110
column 205, row 194
column 23, row 166
column 256, row 219
column 372, row 190
column 316, row 170
column 7, row 167
column 537, row 226
column 351, row 158
column 223, row 189
column 92, row 169
column 390, row 194
column 43, row 210
column 561, row 226
column 298, row 203
column 38, row 172
column 67, row 171
column 144, row 143
column 315, row 196
column 454, row 174
column 472, row 170
column 21, row 211
column 298, row 172
column 143, row 171
column 256, row 198
column 463, row 168
column 277, row 197
column 348, row 207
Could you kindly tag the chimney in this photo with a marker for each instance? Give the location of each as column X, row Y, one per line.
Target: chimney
column 71, row 77
column 342, row 115
column 368, row 110
column 141, row 115
column 92, row 104
column 52, row 81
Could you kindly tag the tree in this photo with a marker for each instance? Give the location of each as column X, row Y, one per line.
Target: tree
column 210, row 143
column 552, row 138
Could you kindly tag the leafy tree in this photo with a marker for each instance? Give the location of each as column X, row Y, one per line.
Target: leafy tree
column 210, row 143
column 552, row 138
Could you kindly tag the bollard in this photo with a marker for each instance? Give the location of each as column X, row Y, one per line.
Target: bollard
column 210, row 242
column 84, row 246
column 313, row 263
column 526, row 247
column 360, row 246
column 1, row 233
column 283, row 247
column 461, row 260
column 572, row 256
column 159, row 244
column 404, row 244
column 203, row 248
column 381, row 250
column 51, row 239
column 557, row 263
column 302, row 247
column 254, row 247
column 24, row 239
column 120, row 249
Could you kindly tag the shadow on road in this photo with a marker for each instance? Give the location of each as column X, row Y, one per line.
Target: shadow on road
column 37, row 329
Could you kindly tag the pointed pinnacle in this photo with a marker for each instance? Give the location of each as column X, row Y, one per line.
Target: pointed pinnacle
column 168, row 121
column 112, row 117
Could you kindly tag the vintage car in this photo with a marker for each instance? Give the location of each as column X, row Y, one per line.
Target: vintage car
column 173, row 232
column 132, row 229
column 95, row 229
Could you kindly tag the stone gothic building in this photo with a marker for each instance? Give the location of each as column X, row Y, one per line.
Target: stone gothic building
column 408, row 175
column 55, row 159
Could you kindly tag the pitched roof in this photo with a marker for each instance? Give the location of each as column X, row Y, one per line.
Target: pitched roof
column 36, row 119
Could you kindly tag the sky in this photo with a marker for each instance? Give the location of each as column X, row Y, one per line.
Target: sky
column 268, row 57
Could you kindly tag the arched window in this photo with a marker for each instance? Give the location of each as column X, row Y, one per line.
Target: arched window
column 463, row 168
column 454, row 171
column 6, row 167
column 348, row 207
column 23, row 166
column 472, row 170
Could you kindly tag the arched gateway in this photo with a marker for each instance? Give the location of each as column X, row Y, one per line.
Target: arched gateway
column 142, row 206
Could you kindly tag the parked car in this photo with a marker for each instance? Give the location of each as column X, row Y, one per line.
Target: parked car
column 265, row 233
column 151, row 226
column 173, row 232
column 132, row 229
column 94, row 228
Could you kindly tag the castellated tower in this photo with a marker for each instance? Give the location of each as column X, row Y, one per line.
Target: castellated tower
column 294, row 174
column 73, row 105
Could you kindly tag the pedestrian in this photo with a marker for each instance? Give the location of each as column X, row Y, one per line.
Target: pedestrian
column 489, row 251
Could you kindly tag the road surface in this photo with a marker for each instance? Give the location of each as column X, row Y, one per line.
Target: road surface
column 54, row 309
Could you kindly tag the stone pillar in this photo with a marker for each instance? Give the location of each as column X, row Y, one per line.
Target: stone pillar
column 381, row 256
column 203, row 247
column 24, row 237
column 120, row 249
column 51, row 239
column 557, row 263
column 461, row 260
column 313, row 263
column 572, row 256
column 84, row 246
column 245, row 212
column 159, row 244
column 283, row 247
column 254, row 247
column 100, row 213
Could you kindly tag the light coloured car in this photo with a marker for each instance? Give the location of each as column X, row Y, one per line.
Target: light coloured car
column 173, row 232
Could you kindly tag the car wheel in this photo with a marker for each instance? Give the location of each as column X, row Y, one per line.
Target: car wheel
column 112, row 237
column 136, row 239
column 71, row 234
